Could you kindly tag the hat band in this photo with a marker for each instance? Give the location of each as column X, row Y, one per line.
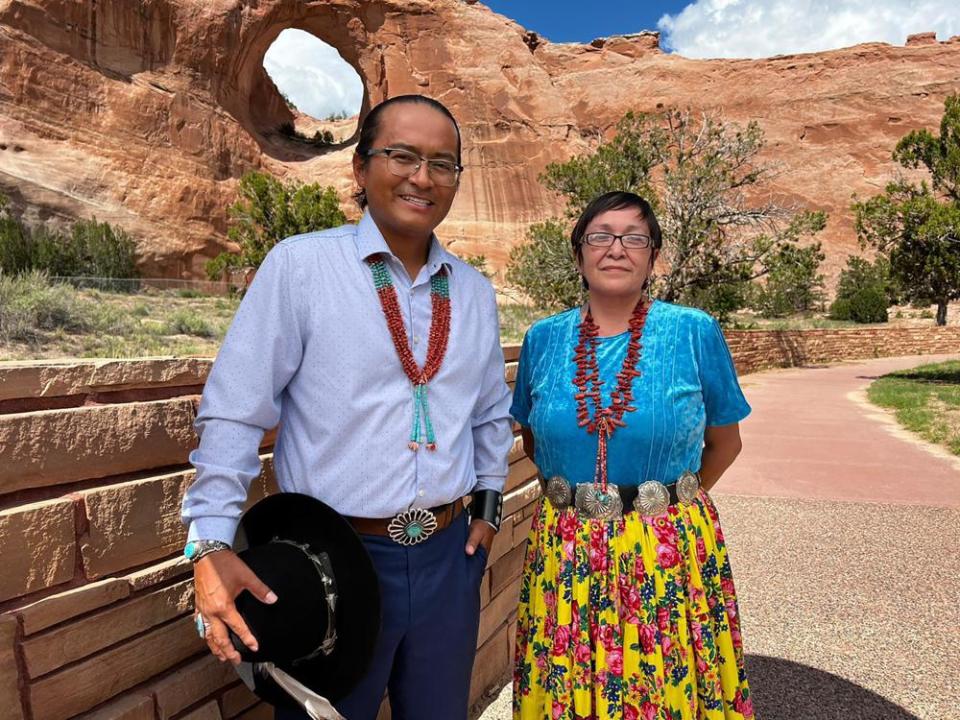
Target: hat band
column 321, row 561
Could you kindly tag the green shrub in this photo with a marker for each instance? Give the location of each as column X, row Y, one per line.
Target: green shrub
column 269, row 211
column 30, row 304
column 479, row 263
column 189, row 293
column 91, row 249
column 188, row 322
column 719, row 299
column 863, row 292
column 543, row 268
column 14, row 241
column 793, row 283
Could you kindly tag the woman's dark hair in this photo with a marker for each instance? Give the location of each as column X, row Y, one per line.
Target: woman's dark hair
column 616, row 200
column 371, row 125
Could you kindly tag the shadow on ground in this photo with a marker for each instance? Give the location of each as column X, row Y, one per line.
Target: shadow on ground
column 784, row 690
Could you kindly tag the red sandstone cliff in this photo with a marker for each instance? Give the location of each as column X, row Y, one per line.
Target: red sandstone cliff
column 146, row 113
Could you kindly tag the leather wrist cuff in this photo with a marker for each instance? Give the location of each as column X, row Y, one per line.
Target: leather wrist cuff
column 487, row 505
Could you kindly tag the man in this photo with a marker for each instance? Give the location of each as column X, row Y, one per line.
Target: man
column 378, row 353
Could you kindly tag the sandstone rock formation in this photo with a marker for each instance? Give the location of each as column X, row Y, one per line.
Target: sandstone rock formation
column 147, row 113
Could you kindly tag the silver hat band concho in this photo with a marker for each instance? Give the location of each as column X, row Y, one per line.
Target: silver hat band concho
column 653, row 498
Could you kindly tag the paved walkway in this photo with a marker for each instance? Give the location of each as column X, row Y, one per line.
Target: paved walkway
column 843, row 532
column 813, row 434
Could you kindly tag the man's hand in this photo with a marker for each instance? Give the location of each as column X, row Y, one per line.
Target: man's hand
column 481, row 533
column 218, row 578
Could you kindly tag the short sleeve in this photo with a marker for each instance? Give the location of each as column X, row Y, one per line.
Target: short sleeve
column 522, row 400
column 722, row 396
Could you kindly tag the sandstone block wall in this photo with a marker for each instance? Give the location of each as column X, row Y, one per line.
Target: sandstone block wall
column 755, row 350
column 95, row 600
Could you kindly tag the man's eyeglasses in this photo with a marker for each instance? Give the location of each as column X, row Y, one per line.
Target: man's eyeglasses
column 404, row 163
column 629, row 242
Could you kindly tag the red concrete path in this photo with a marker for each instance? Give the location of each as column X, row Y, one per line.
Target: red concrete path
column 813, row 435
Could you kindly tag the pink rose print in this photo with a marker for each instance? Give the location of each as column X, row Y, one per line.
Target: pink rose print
column 606, row 637
column 663, row 618
column 568, row 526
column 697, row 631
column 599, row 561
column 665, row 644
column 558, row 710
column 583, row 653
column 667, row 556
column 561, row 640
column 701, row 551
column 743, row 706
column 648, row 638
column 615, row 661
column 665, row 530
column 630, row 712
column 549, row 624
column 639, row 569
column 649, row 710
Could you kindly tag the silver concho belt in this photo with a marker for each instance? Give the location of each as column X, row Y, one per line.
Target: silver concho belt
column 649, row 498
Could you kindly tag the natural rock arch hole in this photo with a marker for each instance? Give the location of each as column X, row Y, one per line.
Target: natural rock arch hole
column 322, row 91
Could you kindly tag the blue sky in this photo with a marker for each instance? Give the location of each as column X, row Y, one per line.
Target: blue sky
column 320, row 83
column 579, row 21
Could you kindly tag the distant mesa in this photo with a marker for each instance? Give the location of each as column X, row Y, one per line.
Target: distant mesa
column 146, row 115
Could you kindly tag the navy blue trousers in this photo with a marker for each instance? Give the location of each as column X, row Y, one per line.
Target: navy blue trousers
column 431, row 614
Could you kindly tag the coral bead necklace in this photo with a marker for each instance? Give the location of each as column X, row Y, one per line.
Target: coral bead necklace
column 605, row 420
column 422, row 431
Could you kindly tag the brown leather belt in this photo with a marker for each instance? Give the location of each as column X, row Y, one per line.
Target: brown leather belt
column 445, row 515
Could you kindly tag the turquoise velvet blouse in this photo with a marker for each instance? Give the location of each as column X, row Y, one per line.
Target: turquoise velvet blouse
column 687, row 382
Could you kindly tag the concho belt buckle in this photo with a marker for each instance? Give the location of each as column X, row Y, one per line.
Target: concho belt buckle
column 688, row 485
column 412, row 526
column 599, row 505
column 653, row 498
column 558, row 492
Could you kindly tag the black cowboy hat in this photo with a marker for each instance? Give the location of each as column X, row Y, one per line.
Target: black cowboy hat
column 306, row 552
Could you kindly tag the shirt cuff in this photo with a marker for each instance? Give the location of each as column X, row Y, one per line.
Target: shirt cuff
column 213, row 528
column 490, row 482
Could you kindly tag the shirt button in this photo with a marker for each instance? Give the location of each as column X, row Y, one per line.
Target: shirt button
column 416, row 339
column 420, row 493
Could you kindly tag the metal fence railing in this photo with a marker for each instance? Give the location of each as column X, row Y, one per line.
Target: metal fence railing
column 136, row 285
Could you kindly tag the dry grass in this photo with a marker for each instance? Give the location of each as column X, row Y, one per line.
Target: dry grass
column 104, row 324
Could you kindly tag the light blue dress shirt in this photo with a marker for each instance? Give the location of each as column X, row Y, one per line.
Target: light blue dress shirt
column 687, row 381
column 309, row 348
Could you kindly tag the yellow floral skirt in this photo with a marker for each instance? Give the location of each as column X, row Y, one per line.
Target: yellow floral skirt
column 632, row 619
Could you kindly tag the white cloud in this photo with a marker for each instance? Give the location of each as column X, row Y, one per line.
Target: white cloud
column 761, row 28
column 313, row 75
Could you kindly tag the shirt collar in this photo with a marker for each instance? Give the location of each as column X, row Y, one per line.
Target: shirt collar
column 370, row 242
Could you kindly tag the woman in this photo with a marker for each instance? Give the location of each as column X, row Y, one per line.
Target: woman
column 630, row 408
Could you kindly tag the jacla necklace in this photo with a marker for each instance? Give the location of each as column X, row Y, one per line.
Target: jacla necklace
column 605, row 420
column 422, row 431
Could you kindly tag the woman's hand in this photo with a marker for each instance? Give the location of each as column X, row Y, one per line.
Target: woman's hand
column 218, row 578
